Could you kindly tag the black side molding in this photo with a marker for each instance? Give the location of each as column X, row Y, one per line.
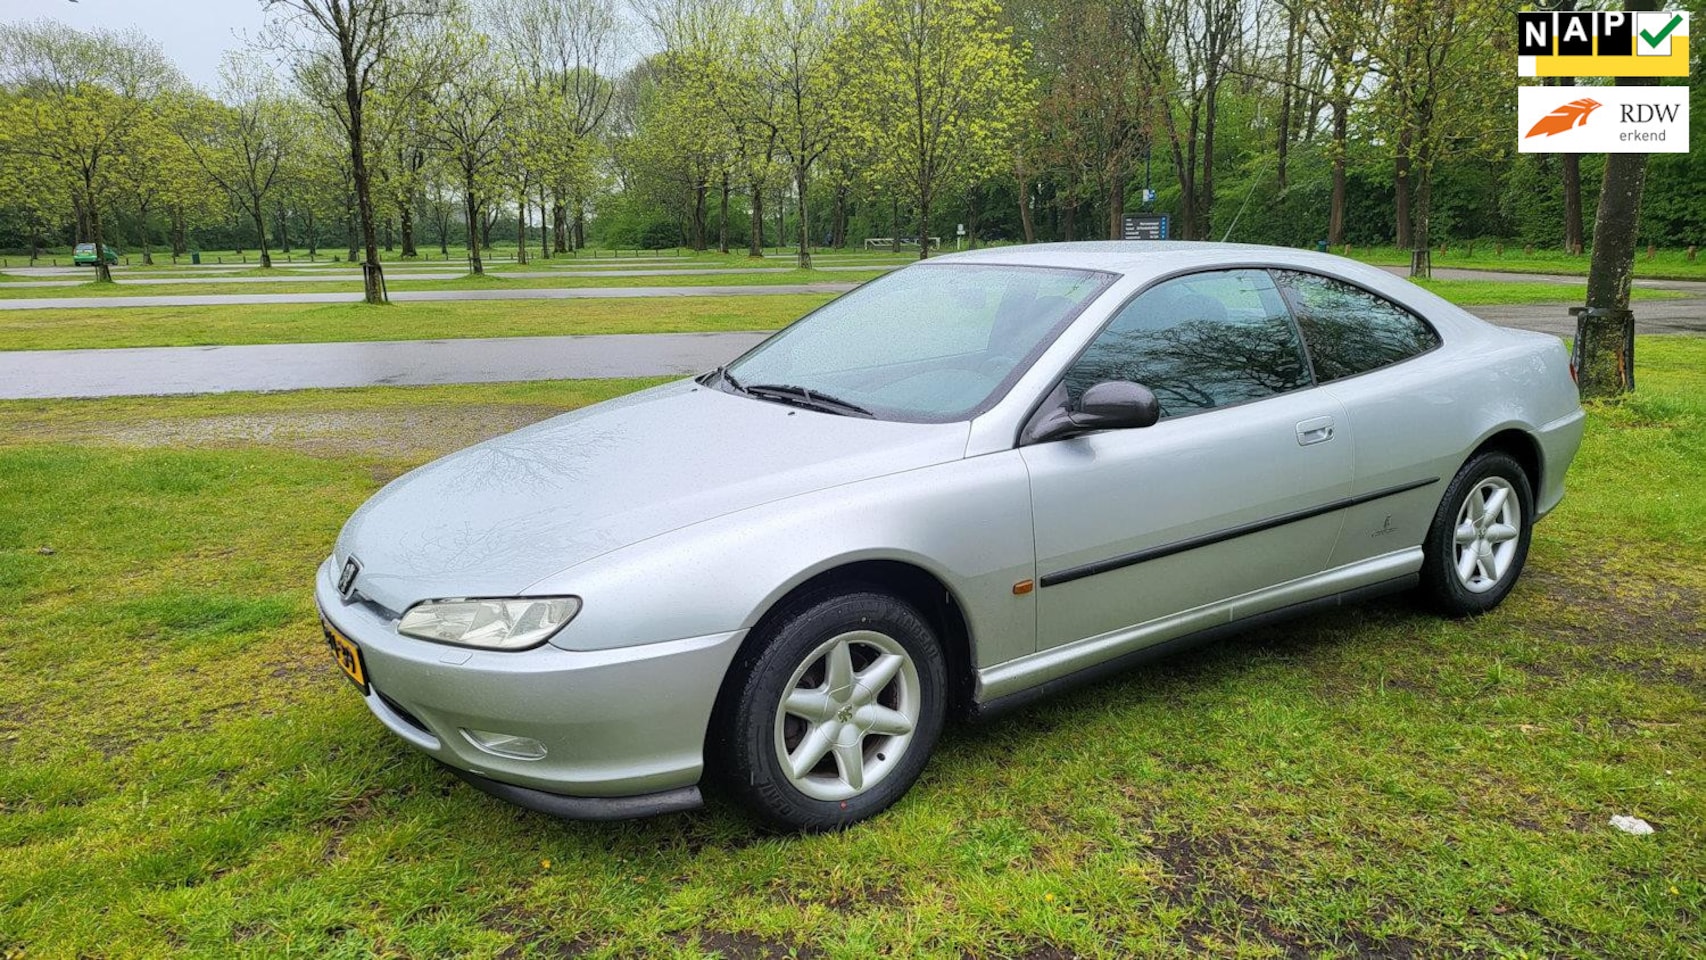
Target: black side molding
column 1166, row 648
column 586, row 808
column 1221, row 536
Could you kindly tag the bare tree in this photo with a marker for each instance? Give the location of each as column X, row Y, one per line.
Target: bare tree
column 352, row 39
column 568, row 50
column 241, row 142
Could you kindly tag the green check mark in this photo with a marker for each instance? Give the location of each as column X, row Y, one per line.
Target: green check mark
column 1653, row 41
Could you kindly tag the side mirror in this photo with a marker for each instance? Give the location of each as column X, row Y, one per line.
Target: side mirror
column 1116, row 404
column 1109, row 405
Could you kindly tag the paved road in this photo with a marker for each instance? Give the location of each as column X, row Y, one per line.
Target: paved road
column 533, row 293
column 163, row 370
column 1506, row 276
column 347, row 277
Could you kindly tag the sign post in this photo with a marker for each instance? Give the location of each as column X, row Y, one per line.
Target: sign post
column 1144, row 226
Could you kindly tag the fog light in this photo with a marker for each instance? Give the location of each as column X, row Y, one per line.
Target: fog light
column 506, row 745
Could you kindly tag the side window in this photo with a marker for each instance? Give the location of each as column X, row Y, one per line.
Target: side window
column 1199, row 342
column 1349, row 330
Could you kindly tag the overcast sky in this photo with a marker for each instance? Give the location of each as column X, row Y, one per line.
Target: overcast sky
column 194, row 33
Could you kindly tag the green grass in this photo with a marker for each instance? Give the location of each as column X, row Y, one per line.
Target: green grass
column 183, row 773
column 318, row 323
column 1489, row 292
column 1665, row 265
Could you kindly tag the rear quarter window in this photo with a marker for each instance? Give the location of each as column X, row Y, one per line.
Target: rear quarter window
column 1349, row 330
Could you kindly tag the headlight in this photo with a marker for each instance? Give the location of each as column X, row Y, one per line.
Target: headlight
column 493, row 624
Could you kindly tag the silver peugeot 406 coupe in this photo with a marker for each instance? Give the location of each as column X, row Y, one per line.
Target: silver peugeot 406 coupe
column 974, row 481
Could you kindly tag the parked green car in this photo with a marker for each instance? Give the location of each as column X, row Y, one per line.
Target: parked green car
column 84, row 255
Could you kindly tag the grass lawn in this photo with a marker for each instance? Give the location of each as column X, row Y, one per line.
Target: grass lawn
column 1665, row 265
column 315, row 323
column 119, row 288
column 1500, row 292
column 183, row 773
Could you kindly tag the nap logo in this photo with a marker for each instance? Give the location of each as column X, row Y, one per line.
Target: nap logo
column 1606, row 120
column 1602, row 43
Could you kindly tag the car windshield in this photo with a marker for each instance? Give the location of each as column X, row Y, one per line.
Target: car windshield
column 85, row 248
column 930, row 343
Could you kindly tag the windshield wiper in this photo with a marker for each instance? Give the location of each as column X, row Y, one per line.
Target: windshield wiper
column 810, row 399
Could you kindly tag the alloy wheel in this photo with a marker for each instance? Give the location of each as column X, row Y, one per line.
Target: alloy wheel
column 1489, row 524
column 848, row 715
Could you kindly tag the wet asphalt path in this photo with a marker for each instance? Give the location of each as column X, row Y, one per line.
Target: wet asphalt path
column 141, row 371
column 402, row 296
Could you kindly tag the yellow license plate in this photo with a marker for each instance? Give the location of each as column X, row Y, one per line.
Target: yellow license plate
column 347, row 654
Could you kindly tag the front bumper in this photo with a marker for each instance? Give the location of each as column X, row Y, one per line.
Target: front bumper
column 623, row 730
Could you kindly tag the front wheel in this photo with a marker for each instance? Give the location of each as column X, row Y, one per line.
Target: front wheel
column 1478, row 543
column 832, row 711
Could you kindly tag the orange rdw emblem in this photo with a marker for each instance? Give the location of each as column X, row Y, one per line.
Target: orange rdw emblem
column 1567, row 117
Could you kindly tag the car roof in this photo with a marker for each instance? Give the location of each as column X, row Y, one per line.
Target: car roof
column 1149, row 257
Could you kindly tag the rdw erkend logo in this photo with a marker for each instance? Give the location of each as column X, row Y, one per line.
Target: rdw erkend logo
column 1567, row 117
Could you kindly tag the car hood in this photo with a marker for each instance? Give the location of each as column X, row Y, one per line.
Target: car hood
column 500, row 516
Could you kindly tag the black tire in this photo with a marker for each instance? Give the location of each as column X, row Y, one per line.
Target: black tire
column 744, row 735
column 1442, row 587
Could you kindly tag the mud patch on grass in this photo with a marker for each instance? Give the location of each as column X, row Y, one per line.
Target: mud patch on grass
column 415, row 433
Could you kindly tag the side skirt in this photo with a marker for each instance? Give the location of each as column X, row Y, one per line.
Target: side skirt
column 1120, row 664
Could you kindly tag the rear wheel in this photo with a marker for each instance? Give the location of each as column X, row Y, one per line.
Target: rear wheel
column 1478, row 543
column 832, row 711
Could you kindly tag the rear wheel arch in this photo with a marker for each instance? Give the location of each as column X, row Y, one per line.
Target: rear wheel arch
column 1521, row 446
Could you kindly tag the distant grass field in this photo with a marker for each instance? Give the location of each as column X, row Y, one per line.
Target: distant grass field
column 325, row 322
column 1665, row 265
column 183, row 772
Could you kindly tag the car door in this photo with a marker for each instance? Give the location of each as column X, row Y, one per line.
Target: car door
column 1408, row 444
column 1222, row 497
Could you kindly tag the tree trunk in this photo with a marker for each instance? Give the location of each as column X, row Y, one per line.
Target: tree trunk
column 755, row 242
column 1605, row 347
column 1421, row 255
column 580, row 224
column 521, row 228
column 180, row 243
column 559, row 226
column 103, row 273
column 260, row 219
column 924, row 199
column 473, row 211
column 1205, row 209
column 1401, row 188
column 544, row 225
column 838, row 231
column 142, row 235
column 372, row 274
column 352, row 233
column 723, row 218
column 1116, row 207
column 805, row 237
column 283, row 228
column 1336, row 211
column 406, row 217
column 1026, row 217
column 313, row 240
column 700, row 190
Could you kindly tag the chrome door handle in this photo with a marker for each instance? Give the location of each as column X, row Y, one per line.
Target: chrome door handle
column 1315, row 430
